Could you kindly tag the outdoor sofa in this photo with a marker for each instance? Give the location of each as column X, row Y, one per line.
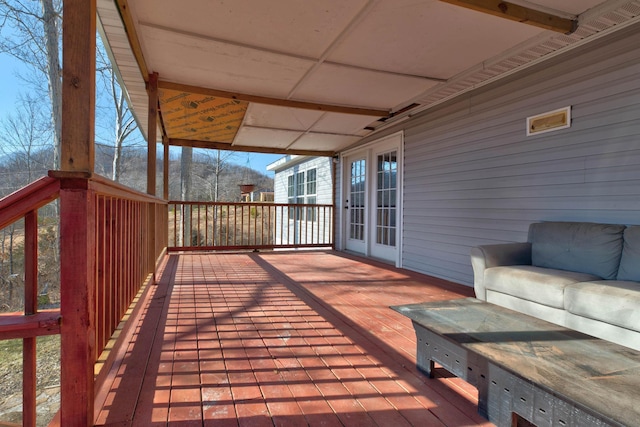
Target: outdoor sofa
column 584, row 276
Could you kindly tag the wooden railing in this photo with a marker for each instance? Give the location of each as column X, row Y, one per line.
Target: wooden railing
column 30, row 324
column 111, row 238
column 225, row 226
column 128, row 245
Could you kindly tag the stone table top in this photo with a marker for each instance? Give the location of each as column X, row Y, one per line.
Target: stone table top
column 595, row 374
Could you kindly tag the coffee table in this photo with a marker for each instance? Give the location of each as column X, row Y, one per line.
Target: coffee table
column 528, row 368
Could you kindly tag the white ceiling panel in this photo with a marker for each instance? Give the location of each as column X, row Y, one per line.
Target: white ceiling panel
column 261, row 115
column 201, row 62
column 261, row 137
column 347, row 124
column 413, row 38
column 374, row 54
column 304, row 28
column 357, row 87
column 318, row 141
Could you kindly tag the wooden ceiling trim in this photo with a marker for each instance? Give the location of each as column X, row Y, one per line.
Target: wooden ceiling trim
column 132, row 35
column 519, row 13
column 274, row 101
column 304, row 131
column 245, row 148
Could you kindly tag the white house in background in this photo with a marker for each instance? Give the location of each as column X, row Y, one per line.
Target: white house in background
column 303, row 180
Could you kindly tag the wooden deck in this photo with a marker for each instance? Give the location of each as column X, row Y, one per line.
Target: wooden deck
column 284, row 339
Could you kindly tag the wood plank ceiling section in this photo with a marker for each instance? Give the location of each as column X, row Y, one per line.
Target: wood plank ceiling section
column 315, row 77
column 196, row 117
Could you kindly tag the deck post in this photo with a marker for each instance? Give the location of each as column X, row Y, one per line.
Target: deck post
column 77, row 213
column 29, row 381
column 78, row 85
column 151, row 168
column 77, row 297
column 152, row 89
column 165, row 168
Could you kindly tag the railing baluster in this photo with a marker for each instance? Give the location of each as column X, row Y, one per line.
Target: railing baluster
column 175, row 224
column 100, row 274
column 197, row 242
column 241, row 224
column 206, row 225
column 282, row 216
column 227, row 231
column 262, row 218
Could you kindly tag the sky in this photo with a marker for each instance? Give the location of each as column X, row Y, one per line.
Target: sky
column 11, row 87
column 9, row 83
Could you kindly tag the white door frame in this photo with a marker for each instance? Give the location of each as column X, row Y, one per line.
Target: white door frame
column 368, row 152
column 356, row 245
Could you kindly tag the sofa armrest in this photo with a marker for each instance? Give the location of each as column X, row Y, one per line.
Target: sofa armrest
column 486, row 256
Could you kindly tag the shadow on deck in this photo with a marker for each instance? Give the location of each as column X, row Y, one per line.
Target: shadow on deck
column 285, row 339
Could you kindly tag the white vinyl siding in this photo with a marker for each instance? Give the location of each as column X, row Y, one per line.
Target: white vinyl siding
column 472, row 176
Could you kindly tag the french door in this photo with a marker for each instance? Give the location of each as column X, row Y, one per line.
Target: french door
column 356, row 204
column 373, row 197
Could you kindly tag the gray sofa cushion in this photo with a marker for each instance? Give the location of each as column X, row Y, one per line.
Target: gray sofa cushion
column 614, row 302
column 577, row 246
column 630, row 261
column 542, row 285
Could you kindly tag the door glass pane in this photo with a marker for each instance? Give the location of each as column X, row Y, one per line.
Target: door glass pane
column 356, row 199
column 387, row 165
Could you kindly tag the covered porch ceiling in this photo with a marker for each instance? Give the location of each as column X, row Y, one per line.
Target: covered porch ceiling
column 315, row 77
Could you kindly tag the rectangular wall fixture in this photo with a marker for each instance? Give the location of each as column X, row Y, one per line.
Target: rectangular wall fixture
column 550, row 121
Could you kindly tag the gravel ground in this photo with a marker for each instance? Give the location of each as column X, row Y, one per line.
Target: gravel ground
column 48, row 377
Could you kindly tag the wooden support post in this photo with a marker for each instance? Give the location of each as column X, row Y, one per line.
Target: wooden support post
column 30, row 307
column 152, row 134
column 165, row 168
column 77, row 296
column 78, row 85
column 77, row 213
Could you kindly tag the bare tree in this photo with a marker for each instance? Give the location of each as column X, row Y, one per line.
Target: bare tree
column 32, row 34
column 125, row 125
column 24, row 135
column 120, row 119
column 23, row 139
column 216, row 162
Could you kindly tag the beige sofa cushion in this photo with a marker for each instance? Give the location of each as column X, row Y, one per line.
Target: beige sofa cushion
column 630, row 261
column 610, row 301
column 577, row 246
column 542, row 285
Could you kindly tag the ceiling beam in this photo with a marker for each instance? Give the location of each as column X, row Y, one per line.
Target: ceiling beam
column 519, row 13
column 178, row 142
column 132, row 35
column 274, row 101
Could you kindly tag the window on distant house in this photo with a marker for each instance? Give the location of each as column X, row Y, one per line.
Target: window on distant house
column 301, row 189
column 310, row 196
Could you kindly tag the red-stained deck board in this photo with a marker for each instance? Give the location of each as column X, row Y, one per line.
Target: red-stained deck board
column 283, row 339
